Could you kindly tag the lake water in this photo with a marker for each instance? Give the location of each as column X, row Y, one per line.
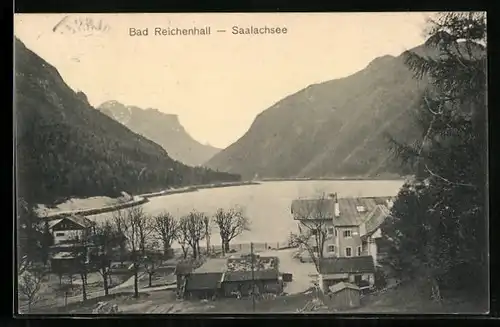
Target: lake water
column 267, row 205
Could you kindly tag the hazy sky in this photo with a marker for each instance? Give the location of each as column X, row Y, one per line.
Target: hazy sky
column 216, row 83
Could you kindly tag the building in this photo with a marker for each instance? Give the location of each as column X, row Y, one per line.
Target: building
column 70, row 228
column 357, row 270
column 351, row 226
column 240, row 280
column 229, row 277
column 204, row 285
column 344, row 296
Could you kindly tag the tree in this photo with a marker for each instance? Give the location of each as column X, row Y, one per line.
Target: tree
column 166, row 228
column 30, row 281
column 80, row 248
column 136, row 230
column 231, row 223
column 313, row 217
column 105, row 240
column 182, row 237
column 208, row 224
column 443, row 207
column 151, row 261
column 193, row 228
column 119, row 222
column 29, row 235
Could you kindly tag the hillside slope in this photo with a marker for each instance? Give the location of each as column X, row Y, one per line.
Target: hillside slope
column 334, row 129
column 67, row 148
column 163, row 129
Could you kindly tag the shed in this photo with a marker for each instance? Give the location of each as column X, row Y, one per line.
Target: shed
column 344, row 295
column 203, row 285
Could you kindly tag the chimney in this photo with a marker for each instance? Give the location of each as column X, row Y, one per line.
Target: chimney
column 336, row 206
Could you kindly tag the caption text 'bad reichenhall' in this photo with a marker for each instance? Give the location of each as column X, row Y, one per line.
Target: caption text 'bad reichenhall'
column 207, row 30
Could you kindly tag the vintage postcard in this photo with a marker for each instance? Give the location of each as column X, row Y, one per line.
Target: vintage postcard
column 251, row 163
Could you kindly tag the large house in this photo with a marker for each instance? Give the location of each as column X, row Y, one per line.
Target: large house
column 351, row 225
column 70, row 228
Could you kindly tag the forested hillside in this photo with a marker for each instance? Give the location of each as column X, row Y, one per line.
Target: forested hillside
column 66, row 148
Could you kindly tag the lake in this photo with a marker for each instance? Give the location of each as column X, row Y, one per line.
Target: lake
column 267, row 205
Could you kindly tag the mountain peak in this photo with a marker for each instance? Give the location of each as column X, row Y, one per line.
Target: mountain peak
column 162, row 128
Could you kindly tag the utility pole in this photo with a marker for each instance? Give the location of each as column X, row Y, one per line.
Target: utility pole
column 253, row 280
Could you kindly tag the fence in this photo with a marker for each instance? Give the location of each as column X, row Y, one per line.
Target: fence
column 246, row 247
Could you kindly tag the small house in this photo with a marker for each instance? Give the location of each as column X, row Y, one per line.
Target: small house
column 356, row 270
column 203, row 285
column 246, row 273
column 344, row 296
column 70, row 228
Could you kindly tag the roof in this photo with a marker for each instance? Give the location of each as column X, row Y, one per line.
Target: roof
column 63, row 255
column 183, row 268
column 54, row 222
column 215, row 265
column 341, row 286
column 203, row 281
column 375, row 218
column 77, row 219
column 234, row 276
column 349, row 215
column 244, row 263
column 361, row 264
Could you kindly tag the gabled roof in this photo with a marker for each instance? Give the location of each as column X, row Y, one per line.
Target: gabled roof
column 361, row 264
column 348, row 207
column 342, row 285
column 375, row 219
column 80, row 220
column 203, row 281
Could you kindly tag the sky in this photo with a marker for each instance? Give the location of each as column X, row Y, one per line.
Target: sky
column 217, row 84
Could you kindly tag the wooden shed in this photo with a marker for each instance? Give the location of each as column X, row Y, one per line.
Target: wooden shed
column 344, row 296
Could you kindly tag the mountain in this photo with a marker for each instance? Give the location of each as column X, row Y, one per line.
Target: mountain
column 163, row 129
column 333, row 129
column 66, row 148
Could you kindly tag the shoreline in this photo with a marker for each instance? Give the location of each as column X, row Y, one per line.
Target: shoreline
column 142, row 199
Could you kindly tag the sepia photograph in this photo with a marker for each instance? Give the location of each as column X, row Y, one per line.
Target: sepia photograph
column 251, row 163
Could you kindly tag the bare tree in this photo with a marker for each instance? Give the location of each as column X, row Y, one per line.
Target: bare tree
column 136, row 230
column 182, row 237
column 193, row 227
column 118, row 219
column 105, row 240
column 30, row 281
column 208, row 224
column 231, row 223
column 166, row 228
column 152, row 260
column 80, row 250
column 313, row 217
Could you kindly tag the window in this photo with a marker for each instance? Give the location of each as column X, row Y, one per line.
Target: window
column 315, row 249
column 59, row 234
column 347, row 233
column 331, row 248
column 359, row 251
column 330, row 230
column 335, row 231
column 348, row 252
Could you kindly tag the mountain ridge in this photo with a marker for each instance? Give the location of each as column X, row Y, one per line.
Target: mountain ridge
column 65, row 148
column 331, row 129
column 163, row 128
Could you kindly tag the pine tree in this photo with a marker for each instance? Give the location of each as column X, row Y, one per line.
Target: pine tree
column 438, row 226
